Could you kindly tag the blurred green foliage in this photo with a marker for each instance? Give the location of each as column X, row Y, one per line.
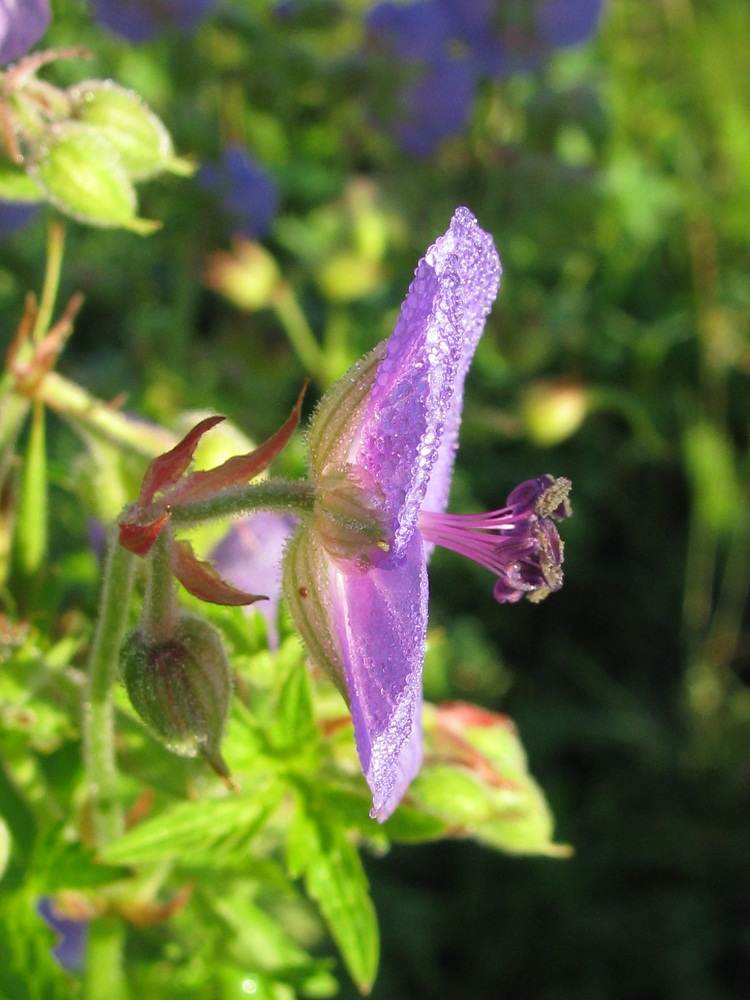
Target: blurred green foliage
column 616, row 183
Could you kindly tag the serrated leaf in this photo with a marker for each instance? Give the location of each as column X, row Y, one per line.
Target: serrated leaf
column 476, row 781
column 58, row 865
column 263, row 945
column 293, row 720
column 190, row 829
column 335, row 879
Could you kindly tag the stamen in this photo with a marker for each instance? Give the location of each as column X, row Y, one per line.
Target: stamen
column 519, row 542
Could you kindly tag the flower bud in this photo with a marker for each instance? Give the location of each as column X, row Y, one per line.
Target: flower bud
column 553, row 409
column 248, row 277
column 136, row 133
column 181, row 687
column 81, row 173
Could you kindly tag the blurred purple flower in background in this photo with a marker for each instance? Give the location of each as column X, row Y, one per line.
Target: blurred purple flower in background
column 70, row 948
column 426, row 57
column 248, row 193
column 423, row 89
column 15, row 215
column 140, row 20
column 22, row 24
column 249, row 556
column 519, row 35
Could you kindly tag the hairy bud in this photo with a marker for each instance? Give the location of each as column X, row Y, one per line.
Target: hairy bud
column 136, row 133
column 81, row 173
column 181, row 687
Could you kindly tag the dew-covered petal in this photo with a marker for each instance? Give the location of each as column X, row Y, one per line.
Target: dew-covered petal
column 380, row 622
column 22, row 24
column 425, row 363
column 478, row 268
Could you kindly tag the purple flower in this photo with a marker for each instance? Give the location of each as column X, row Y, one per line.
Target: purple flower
column 22, row 24
column 140, row 20
column 15, row 215
column 248, row 193
column 71, row 944
column 519, row 35
column 249, row 556
column 423, row 89
column 382, row 448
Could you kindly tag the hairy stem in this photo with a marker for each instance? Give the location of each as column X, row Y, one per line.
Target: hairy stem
column 55, row 249
column 160, row 600
column 284, row 496
column 98, row 716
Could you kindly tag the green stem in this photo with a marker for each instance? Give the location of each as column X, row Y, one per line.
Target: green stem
column 297, row 329
column 104, row 977
column 160, row 600
column 13, row 412
column 98, row 717
column 285, row 496
column 81, row 408
column 55, row 248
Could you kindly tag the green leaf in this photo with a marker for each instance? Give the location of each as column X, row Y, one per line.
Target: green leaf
column 475, row 780
column 713, row 470
column 60, row 865
column 293, row 720
column 191, row 830
column 336, row 881
column 262, row 945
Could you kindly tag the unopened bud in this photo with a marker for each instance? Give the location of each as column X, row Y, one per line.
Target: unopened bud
column 81, row 173
column 348, row 276
column 248, row 277
column 181, row 687
column 136, row 133
column 552, row 410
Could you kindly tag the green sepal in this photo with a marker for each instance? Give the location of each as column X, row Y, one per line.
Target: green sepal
column 81, row 174
column 305, row 586
column 337, row 417
column 139, row 137
column 16, row 185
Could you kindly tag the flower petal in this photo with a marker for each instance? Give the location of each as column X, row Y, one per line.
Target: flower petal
column 423, row 370
column 380, row 620
column 21, row 26
column 478, row 267
column 249, row 556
